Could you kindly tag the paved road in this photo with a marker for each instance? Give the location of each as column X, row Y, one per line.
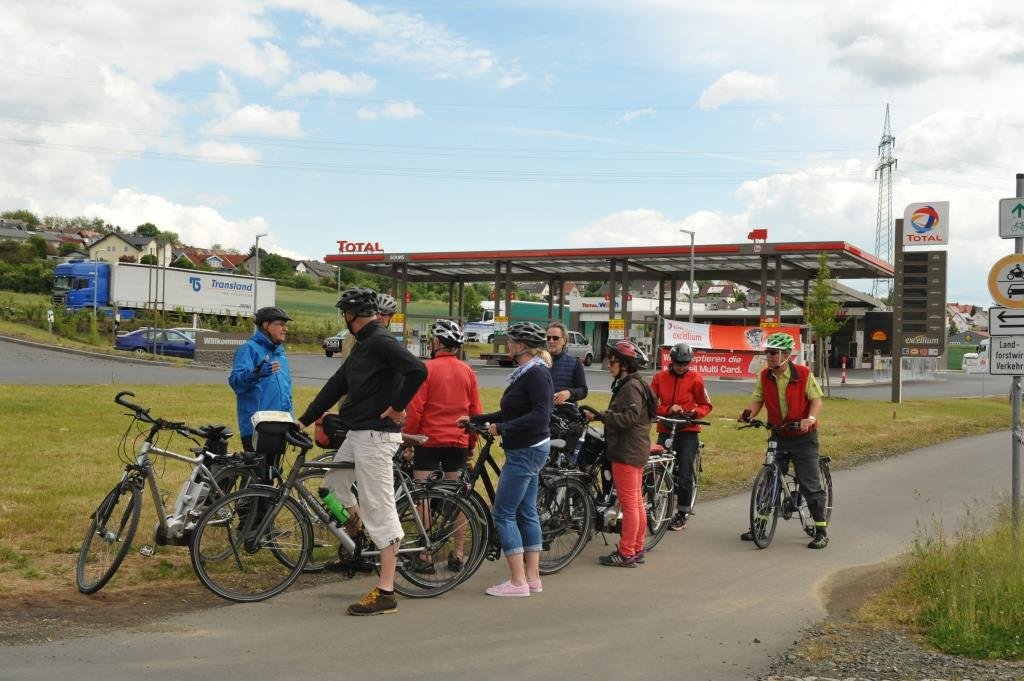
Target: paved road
column 20, row 364
column 706, row 606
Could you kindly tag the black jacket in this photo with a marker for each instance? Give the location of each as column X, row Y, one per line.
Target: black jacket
column 379, row 373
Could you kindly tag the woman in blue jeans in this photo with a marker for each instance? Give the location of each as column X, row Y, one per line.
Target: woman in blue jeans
column 522, row 424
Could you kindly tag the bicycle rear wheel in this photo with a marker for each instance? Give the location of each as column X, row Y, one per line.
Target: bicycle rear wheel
column 236, row 561
column 659, row 493
column 453, row 531
column 764, row 506
column 566, row 512
column 325, row 545
column 109, row 536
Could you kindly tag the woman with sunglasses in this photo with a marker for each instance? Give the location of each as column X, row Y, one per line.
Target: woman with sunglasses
column 791, row 394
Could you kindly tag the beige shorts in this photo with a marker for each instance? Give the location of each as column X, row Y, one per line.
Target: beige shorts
column 372, row 452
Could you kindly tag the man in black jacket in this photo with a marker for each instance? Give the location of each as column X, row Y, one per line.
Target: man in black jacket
column 379, row 377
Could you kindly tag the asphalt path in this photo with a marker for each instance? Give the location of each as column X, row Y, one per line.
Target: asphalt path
column 705, row 606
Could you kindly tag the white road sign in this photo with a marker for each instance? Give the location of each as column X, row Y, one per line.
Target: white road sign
column 1005, row 322
column 1011, row 218
column 1006, row 356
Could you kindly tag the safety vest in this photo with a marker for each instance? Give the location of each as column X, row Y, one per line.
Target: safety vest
column 796, row 398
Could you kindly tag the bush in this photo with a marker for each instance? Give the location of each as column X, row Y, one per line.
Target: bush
column 28, row 277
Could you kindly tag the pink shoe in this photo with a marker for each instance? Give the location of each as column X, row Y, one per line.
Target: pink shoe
column 535, row 586
column 509, row 590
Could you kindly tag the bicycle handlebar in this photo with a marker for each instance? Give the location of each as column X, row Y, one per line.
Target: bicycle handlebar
column 683, row 421
column 142, row 413
column 758, row 423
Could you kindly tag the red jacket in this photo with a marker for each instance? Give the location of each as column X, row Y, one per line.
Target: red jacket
column 687, row 391
column 796, row 398
column 449, row 392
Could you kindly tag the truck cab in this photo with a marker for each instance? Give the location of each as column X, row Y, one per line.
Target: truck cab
column 81, row 285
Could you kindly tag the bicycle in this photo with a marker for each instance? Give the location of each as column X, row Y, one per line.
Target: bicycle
column 254, row 543
column 674, row 425
column 775, row 491
column 113, row 524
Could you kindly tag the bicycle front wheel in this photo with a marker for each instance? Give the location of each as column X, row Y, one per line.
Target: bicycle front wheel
column 109, row 536
column 434, row 560
column 764, row 506
column 240, row 555
column 566, row 513
column 659, row 493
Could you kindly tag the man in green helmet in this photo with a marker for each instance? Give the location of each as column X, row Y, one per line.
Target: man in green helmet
column 791, row 395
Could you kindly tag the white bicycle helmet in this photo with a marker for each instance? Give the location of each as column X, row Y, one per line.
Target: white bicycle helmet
column 386, row 303
column 448, row 332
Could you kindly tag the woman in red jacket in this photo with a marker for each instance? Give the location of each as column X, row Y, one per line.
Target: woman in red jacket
column 681, row 394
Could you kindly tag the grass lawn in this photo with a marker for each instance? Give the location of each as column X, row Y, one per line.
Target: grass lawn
column 59, row 462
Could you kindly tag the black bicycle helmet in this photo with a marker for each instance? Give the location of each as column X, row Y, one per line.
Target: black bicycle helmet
column 386, row 303
column 360, row 301
column 448, row 332
column 270, row 314
column 681, row 352
column 527, row 332
column 629, row 353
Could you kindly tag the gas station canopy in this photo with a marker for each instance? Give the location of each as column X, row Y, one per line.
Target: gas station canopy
column 790, row 266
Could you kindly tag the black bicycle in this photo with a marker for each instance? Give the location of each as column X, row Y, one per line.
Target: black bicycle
column 776, row 493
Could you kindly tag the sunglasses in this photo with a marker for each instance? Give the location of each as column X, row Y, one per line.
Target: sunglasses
column 554, row 338
column 773, row 352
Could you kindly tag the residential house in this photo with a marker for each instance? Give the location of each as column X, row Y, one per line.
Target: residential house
column 113, row 246
column 220, row 261
column 315, row 269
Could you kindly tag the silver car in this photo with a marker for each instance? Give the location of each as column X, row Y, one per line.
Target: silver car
column 578, row 346
column 332, row 344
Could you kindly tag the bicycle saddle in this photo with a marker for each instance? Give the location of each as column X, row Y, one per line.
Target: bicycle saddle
column 215, row 431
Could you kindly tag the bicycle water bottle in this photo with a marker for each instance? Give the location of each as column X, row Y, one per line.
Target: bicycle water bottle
column 339, row 512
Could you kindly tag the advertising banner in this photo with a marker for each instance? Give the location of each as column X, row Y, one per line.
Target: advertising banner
column 723, row 351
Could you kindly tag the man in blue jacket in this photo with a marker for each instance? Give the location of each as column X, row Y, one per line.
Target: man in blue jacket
column 260, row 375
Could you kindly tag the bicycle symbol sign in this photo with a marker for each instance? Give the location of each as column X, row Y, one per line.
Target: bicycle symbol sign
column 1006, row 281
column 1011, row 218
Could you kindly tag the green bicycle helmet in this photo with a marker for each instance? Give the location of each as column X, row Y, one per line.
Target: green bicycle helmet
column 780, row 341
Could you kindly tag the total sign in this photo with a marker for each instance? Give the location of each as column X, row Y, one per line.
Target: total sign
column 926, row 224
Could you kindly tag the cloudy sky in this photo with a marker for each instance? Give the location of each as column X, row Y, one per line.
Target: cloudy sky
column 520, row 124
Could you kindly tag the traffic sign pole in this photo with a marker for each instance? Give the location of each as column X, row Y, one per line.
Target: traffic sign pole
column 1018, row 244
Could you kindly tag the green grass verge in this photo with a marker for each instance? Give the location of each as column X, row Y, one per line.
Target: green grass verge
column 64, row 447
column 965, row 592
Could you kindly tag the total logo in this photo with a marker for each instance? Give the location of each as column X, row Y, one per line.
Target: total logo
column 926, row 224
column 924, row 219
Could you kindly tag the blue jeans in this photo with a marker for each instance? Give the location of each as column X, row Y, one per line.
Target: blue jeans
column 515, row 501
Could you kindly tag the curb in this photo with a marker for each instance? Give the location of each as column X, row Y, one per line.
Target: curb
column 85, row 353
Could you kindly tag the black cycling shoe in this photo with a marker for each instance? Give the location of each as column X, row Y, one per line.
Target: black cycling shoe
column 455, row 563
column 747, row 536
column 820, row 540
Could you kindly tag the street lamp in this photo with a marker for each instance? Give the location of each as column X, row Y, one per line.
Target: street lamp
column 691, row 233
column 256, row 273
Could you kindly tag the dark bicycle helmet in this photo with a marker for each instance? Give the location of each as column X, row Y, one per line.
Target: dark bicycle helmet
column 386, row 303
column 681, row 352
column 527, row 332
column 360, row 301
column 448, row 332
column 270, row 314
column 629, row 353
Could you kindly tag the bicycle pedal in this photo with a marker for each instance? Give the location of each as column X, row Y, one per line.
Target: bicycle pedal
column 147, row 550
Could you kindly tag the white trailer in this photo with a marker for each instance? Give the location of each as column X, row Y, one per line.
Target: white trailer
column 168, row 288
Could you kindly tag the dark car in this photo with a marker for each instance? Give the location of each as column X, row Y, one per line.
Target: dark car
column 158, row 341
column 332, row 344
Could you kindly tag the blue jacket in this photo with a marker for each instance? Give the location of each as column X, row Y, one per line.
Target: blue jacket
column 525, row 414
column 273, row 392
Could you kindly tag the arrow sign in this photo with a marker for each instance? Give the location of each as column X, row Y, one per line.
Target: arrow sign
column 1018, row 210
column 1005, row 322
column 1011, row 218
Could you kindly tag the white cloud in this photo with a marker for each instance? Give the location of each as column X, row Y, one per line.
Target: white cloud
column 919, row 40
column 645, row 226
column 739, row 86
column 511, row 80
column 260, row 120
column 200, row 225
column 635, row 114
column 221, row 152
column 339, row 14
column 310, row 42
column 396, row 110
column 330, row 81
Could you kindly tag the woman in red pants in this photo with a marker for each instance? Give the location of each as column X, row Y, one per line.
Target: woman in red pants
column 627, row 430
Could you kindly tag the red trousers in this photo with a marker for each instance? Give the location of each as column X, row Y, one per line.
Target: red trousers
column 627, row 481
